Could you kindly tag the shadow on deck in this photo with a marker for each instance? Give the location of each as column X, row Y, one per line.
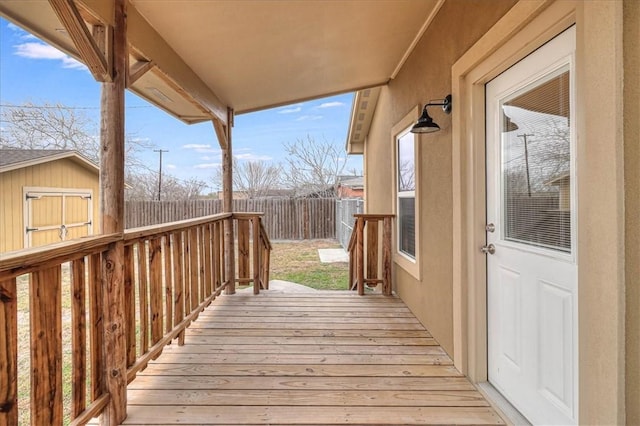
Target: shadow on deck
column 320, row 358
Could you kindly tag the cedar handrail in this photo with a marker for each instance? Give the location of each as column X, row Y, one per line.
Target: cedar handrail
column 359, row 253
column 171, row 273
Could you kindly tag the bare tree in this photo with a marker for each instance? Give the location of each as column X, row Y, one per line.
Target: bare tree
column 143, row 186
column 55, row 126
column 255, row 178
column 312, row 166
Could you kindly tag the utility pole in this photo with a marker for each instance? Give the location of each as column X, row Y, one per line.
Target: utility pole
column 524, row 137
column 160, row 172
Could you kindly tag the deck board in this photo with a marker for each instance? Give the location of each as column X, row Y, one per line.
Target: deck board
column 326, row 359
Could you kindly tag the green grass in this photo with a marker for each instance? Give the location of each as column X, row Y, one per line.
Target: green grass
column 298, row 262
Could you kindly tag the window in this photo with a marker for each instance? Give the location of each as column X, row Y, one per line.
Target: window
column 406, row 187
column 406, row 193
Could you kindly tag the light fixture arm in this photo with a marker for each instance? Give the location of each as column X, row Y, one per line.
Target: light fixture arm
column 444, row 103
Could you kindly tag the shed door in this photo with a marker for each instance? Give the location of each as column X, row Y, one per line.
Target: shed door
column 532, row 283
column 56, row 214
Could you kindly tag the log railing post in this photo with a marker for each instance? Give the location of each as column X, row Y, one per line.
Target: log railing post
column 227, row 194
column 112, row 220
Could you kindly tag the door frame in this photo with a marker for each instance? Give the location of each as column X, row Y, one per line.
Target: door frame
column 526, row 27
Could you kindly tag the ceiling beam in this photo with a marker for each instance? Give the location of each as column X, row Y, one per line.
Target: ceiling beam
column 221, row 133
column 145, row 39
column 137, row 70
column 88, row 49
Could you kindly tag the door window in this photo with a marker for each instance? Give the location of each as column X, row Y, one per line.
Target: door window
column 536, row 158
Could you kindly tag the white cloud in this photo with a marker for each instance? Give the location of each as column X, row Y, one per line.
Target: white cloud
column 36, row 50
column 331, row 104
column 252, row 157
column 206, row 166
column 309, row 118
column 289, row 110
column 138, row 139
column 171, row 166
column 198, row 147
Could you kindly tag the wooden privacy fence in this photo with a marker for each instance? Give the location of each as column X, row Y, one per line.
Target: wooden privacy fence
column 283, row 219
column 171, row 273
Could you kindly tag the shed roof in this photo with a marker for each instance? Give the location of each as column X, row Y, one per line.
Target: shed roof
column 13, row 159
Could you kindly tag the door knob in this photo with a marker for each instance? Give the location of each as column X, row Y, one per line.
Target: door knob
column 488, row 249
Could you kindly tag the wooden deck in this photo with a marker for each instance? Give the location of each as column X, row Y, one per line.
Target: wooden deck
column 312, row 359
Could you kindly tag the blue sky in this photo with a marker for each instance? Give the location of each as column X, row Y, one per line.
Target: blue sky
column 31, row 71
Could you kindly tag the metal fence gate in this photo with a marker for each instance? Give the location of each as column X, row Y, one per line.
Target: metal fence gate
column 345, row 209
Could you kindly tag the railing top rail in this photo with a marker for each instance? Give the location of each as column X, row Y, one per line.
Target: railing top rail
column 246, row 215
column 23, row 261
column 373, row 216
column 165, row 228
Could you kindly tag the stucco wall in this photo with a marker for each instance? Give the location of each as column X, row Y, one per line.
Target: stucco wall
column 63, row 173
column 427, row 75
column 631, row 42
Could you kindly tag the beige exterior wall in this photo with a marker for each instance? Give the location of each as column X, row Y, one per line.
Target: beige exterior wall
column 427, row 75
column 63, row 173
column 631, row 37
column 608, row 164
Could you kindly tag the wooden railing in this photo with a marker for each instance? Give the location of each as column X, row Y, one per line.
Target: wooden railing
column 374, row 253
column 171, row 273
column 250, row 228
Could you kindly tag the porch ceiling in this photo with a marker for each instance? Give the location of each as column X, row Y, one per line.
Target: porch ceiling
column 252, row 54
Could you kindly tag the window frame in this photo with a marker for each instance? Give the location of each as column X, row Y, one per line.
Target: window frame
column 401, row 258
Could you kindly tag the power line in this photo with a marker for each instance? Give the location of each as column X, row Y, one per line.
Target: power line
column 64, row 106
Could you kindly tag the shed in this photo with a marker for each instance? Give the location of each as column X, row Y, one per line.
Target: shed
column 46, row 196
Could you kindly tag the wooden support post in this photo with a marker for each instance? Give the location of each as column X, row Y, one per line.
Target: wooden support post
column 227, row 202
column 360, row 254
column 8, row 352
column 387, row 287
column 112, row 151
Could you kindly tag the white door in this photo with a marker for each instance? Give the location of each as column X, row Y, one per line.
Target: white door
column 531, row 234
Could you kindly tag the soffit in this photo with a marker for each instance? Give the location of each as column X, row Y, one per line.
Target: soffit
column 257, row 54
column 250, row 54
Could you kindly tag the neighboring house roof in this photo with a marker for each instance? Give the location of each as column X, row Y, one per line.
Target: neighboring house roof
column 13, row 159
column 355, row 182
column 362, row 109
